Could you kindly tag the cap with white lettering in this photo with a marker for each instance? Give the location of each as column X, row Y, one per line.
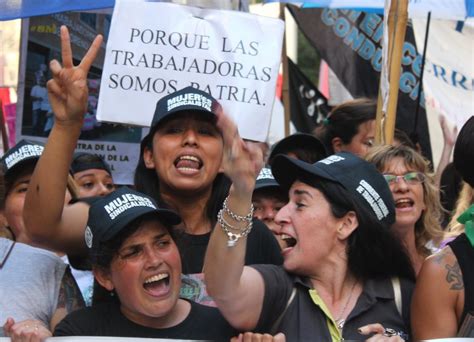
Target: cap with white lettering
column 356, row 175
column 109, row 215
column 23, row 151
column 187, row 99
column 265, row 179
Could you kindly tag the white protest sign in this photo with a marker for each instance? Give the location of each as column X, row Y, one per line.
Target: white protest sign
column 154, row 49
column 448, row 80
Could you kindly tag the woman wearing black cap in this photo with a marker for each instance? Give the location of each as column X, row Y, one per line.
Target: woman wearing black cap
column 343, row 269
column 37, row 288
column 179, row 166
column 92, row 175
column 267, row 199
column 134, row 256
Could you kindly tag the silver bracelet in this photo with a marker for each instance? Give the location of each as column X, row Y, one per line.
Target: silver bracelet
column 232, row 238
column 228, row 225
column 236, row 217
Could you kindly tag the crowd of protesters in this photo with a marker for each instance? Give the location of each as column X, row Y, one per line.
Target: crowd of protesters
column 330, row 238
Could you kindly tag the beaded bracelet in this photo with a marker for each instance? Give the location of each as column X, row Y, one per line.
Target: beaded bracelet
column 236, row 217
column 232, row 238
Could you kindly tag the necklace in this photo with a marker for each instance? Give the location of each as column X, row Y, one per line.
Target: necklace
column 341, row 321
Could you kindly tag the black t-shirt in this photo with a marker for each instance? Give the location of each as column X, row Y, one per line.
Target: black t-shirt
column 262, row 248
column 202, row 323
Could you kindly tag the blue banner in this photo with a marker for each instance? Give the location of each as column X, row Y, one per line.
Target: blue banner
column 14, row 9
column 470, row 8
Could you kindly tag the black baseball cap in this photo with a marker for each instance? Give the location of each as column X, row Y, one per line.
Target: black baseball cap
column 297, row 140
column 464, row 152
column 186, row 99
column 356, row 175
column 109, row 215
column 85, row 161
column 265, row 179
column 23, row 151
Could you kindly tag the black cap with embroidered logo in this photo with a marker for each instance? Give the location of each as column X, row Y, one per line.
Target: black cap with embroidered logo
column 265, row 179
column 356, row 175
column 109, row 215
column 23, row 151
column 186, row 99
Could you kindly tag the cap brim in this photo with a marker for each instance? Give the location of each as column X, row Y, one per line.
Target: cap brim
column 167, row 217
column 178, row 110
column 16, row 169
column 154, row 125
column 266, row 183
column 286, row 170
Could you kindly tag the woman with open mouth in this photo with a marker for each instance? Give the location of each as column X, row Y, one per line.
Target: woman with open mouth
column 417, row 205
column 179, row 166
column 344, row 276
column 134, row 257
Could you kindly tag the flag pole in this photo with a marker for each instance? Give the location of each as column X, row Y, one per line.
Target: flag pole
column 397, row 23
column 285, row 93
column 3, row 129
column 414, row 134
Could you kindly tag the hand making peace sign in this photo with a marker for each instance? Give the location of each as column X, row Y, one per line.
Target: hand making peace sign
column 67, row 90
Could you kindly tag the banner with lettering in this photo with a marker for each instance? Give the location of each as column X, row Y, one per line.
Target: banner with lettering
column 446, row 9
column 155, row 49
column 350, row 42
column 118, row 145
column 448, row 80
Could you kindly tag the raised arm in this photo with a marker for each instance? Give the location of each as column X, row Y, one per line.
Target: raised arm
column 237, row 290
column 449, row 138
column 48, row 222
column 436, row 298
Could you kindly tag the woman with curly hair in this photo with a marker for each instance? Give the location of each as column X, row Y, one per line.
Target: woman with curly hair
column 418, row 208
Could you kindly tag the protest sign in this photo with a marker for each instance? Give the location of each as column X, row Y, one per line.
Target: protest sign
column 117, row 144
column 155, row 49
column 448, row 80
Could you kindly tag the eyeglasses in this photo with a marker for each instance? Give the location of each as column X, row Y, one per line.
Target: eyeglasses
column 409, row 178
